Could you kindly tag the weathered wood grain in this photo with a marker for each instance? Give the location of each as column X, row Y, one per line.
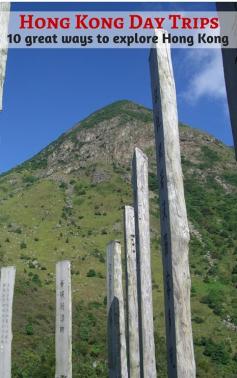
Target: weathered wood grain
column 4, row 20
column 131, row 290
column 63, row 340
column 117, row 351
column 142, row 230
column 173, row 216
column 7, row 282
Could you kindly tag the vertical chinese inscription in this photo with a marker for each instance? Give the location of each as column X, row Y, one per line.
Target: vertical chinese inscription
column 131, row 289
column 117, row 353
column 63, row 320
column 144, row 280
column 173, row 216
column 4, row 20
column 7, row 282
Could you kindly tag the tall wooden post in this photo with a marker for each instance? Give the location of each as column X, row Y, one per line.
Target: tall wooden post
column 230, row 63
column 4, row 20
column 7, row 282
column 142, row 229
column 131, row 289
column 173, row 216
column 63, row 345
column 115, row 306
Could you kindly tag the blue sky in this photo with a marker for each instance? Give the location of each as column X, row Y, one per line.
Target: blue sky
column 48, row 91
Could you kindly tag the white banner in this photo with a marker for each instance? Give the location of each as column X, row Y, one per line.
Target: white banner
column 121, row 29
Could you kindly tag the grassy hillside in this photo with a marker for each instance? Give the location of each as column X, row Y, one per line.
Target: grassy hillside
column 67, row 203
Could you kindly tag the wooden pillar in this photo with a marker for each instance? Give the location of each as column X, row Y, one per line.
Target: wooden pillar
column 63, row 345
column 131, row 289
column 142, row 230
column 117, row 355
column 229, row 56
column 7, row 282
column 4, row 20
column 173, row 216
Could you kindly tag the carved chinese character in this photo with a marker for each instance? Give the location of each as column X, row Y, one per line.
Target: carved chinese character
column 160, row 151
column 168, row 288
column 162, row 178
column 166, row 244
column 61, row 329
column 157, row 122
column 155, row 95
column 164, row 213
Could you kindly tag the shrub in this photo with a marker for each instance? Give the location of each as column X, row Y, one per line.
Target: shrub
column 197, row 319
column 91, row 273
column 29, row 179
column 2, row 255
column 217, row 352
column 79, row 190
column 17, row 230
column 36, row 280
column 234, row 278
column 100, row 275
column 31, row 265
column 63, row 185
column 153, row 182
column 234, row 271
column 24, row 257
column 214, row 300
column 23, row 245
column 29, row 329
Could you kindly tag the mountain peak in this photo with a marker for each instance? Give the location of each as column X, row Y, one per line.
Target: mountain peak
column 116, row 109
column 110, row 135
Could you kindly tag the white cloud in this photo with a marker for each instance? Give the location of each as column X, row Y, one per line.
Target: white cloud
column 205, row 77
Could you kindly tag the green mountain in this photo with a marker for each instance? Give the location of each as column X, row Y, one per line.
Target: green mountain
column 67, row 203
